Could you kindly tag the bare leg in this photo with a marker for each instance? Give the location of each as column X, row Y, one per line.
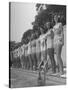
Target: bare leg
column 51, row 55
column 59, row 59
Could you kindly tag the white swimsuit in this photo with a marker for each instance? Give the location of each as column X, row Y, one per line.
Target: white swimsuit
column 50, row 38
column 42, row 43
column 29, row 49
column 26, row 50
column 58, row 34
column 33, row 45
column 38, row 50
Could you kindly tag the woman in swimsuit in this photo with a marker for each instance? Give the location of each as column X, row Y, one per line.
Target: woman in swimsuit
column 58, row 42
column 33, row 53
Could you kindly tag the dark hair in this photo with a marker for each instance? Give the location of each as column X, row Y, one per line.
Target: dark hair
column 61, row 18
column 45, row 27
column 34, row 33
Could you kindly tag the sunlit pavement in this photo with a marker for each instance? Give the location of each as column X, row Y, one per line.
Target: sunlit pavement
column 26, row 78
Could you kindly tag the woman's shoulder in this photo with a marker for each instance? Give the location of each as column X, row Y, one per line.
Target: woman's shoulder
column 42, row 36
column 57, row 26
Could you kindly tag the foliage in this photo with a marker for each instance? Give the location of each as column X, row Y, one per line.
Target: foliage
column 26, row 34
column 42, row 17
column 48, row 13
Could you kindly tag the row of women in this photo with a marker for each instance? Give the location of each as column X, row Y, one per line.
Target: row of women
column 38, row 51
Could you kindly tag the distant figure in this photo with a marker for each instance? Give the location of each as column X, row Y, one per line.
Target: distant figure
column 33, row 45
column 58, row 42
column 29, row 56
column 26, row 56
column 50, row 47
column 22, row 58
column 43, row 46
column 43, row 65
column 38, row 50
column 33, row 51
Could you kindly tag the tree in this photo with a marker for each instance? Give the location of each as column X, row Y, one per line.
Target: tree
column 51, row 10
column 45, row 13
column 25, row 38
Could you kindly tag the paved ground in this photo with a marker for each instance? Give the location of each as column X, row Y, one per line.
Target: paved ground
column 24, row 78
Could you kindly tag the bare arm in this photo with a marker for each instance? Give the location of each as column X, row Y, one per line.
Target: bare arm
column 48, row 33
